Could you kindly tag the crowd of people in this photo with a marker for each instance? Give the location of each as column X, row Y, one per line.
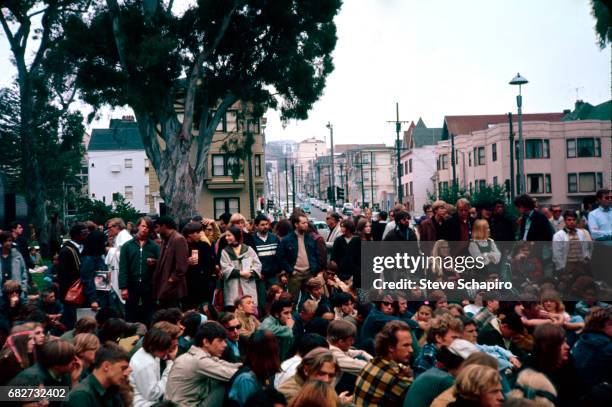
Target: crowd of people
column 270, row 313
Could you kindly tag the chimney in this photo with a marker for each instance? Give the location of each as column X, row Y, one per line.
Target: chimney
column 127, row 119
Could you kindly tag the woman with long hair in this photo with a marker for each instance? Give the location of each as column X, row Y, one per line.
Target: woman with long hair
column 86, row 346
column 17, row 354
column 551, row 356
column 440, row 270
column 364, row 229
column 240, row 268
column 262, row 363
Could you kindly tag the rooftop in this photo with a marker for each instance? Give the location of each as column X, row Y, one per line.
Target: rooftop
column 122, row 134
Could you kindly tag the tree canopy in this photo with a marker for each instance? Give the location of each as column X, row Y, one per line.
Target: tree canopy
column 181, row 72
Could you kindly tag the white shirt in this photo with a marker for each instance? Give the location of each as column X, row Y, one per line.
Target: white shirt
column 288, row 369
column 112, row 259
column 149, row 386
column 333, row 234
column 388, row 228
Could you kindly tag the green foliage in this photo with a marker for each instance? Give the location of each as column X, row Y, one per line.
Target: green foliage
column 449, row 195
column 57, row 144
column 603, row 22
column 488, row 195
column 99, row 212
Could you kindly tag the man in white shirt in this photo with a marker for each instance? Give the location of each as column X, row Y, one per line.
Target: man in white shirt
column 600, row 219
column 341, row 337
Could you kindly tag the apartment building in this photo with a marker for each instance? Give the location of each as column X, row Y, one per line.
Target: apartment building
column 565, row 160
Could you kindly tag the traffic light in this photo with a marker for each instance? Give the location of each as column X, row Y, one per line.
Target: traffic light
column 270, row 205
column 329, row 193
column 340, row 193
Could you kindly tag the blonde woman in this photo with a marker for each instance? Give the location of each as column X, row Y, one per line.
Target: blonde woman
column 86, row 346
column 482, row 245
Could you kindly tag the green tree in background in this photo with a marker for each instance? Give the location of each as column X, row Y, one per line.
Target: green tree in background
column 181, row 72
column 44, row 132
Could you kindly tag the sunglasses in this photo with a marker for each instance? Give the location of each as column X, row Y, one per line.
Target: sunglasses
column 234, row 328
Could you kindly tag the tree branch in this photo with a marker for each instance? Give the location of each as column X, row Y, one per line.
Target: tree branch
column 113, row 9
column 47, row 23
column 37, row 12
column 196, row 75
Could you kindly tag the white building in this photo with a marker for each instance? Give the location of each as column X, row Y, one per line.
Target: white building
column 305, row 157
column 118, row 164
column 419, row 165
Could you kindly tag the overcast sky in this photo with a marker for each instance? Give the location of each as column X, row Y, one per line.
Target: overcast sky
column 444, row 57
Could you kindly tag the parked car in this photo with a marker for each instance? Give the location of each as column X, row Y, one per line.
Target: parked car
column 306, row 207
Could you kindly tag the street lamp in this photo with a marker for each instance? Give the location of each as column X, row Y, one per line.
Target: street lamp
column 520, row 81
column 333, row 190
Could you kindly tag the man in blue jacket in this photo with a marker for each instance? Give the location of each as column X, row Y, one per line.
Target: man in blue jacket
column 297, row 254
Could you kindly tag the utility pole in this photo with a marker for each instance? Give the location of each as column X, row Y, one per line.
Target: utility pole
column 286, row 184
column 511, row 156
column 398, row 146
column 333, row 180
column 342, row 179
column 453, row 162
column 372, row 177
column 293, row 184
column 362, row 186
column 319, row 180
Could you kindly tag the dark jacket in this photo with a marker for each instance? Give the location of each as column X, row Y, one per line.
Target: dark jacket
column 36, row 375
column 200, row 277
column 540, row 229
column 68, row 269
column 90, row 393
column 172, row 263
column 133, row 268
column 503, row 228
column 488, row 335
column 266, row 250
column 378, row 228
column 397, row 235
column 592, row 357
column 288, row 252
column 451, row 229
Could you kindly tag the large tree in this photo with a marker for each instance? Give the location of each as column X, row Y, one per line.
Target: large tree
column 33, row 29
column 181, row 72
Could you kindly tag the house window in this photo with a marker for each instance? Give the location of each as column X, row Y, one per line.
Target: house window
column 222, row 165
column 481, row 156
column 482, row 184
column 538, row 183
column 258, row 165
column 411, row 190
column 146, row 165
column 147, row 195
column 444, row 161
column 129, row 192
column 405, row 167
column 537, row 148
column 470, row 186
column 410, row 165
column 494, row 180
column 222, row 205
column 469, row 159
column 583, row 147
column 127, row 163
column 494, row 152
column 584, row 182
column 253, row 126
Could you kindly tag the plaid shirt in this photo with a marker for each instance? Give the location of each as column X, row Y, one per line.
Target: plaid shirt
column 381, row 383
column 426, row 359
column 483, row 317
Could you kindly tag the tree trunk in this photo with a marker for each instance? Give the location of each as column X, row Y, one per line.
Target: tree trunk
column 180, row 186
column 33, row 188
